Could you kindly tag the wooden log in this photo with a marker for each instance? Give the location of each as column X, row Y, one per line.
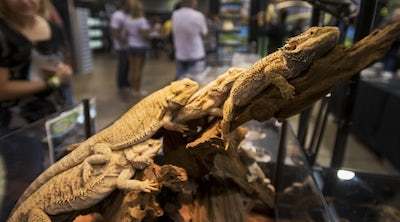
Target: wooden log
column 336, row 67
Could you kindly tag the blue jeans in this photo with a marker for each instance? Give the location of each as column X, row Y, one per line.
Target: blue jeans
column 123, row 69
column 189, row 67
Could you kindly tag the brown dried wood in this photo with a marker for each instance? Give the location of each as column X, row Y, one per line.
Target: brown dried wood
column 336, row 67
column 226, row 175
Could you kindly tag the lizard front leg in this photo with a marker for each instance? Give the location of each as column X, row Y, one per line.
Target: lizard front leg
column 167, row 123
column 124, row 182
column 147, row 155
column 286, row 89
column 38, row 215
column 227, row 120
column 97, row 159
column 215, row 112
column 102, row 148
column 132, row 154
column 210, row 109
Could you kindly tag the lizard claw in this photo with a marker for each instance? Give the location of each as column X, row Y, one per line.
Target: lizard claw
column 215, row 112
column 226, row 146
column 182, row 128
column 177, row 127
column 227, row 139
column 148, row 186
column 288, row 92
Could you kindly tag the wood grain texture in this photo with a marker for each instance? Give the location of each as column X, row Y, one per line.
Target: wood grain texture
column 335, row 68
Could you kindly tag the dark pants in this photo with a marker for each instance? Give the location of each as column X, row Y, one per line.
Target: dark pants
column 390, row 60
column 123, row 69
column 22, row 156
column 189, row 67
column 137, row 59
column 68, row 95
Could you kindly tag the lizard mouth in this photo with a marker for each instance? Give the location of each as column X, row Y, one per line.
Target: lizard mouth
column 311, row 39
column 177, row 105
column 290, row 47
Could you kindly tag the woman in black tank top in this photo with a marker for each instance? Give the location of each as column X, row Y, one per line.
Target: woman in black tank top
column 21, row 32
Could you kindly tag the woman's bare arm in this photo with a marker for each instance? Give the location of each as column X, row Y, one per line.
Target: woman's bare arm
column 13, row 89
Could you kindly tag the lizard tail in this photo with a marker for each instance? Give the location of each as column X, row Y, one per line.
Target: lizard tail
column 62, row 165
column 13, row 218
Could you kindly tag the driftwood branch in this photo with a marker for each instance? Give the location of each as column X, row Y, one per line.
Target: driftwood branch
column 336, row 67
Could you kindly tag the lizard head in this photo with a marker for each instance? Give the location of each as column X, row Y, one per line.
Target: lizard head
column 311, row 44
column 181, row 91
column 225, row 81
column 141, row 155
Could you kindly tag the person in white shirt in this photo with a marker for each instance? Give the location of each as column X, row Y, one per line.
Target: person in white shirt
column 189, row 27
column 137, row 30
column 117, row 23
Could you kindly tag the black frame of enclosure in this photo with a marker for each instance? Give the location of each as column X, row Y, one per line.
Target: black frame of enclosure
column 88, row 120
column 280, row 160
column 365, row 21
column 363, row 28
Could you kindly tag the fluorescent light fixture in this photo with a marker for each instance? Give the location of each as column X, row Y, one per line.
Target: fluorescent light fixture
column 345, row 174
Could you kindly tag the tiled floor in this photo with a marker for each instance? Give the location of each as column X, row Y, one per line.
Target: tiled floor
column 101, row 84
column 158, row 73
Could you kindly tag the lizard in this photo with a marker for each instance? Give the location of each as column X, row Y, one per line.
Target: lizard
column 288, row 62
column 138, row 206
column 90, row 182
column 209, row 99
column 138, row 124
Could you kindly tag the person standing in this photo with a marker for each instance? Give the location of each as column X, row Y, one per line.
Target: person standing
column 137, row 30
column 22, row 29
column 117, row 23
column 189, row 26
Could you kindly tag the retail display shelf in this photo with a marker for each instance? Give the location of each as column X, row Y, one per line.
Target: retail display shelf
column 230, row 16
column 236, row 30
column 232, row 3
column 232, row 44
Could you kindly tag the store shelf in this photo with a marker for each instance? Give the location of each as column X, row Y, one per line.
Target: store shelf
column 236, row 30
column 231, row 44
column 231, row 3
column 233, row 35
column 232, row 17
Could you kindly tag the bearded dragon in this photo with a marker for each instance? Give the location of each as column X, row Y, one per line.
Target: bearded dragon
column 209, row 99
column 90, row 182
column 288, row 62
column 138, row 124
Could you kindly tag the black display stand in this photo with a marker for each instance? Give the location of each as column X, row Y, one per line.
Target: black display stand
column 365, row 20
column 88, row 122
column 374, row 118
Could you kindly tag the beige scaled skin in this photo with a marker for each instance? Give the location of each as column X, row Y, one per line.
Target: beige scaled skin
column 138, row 124
column 209, row 99
column 276, row 69
column 90, row 182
